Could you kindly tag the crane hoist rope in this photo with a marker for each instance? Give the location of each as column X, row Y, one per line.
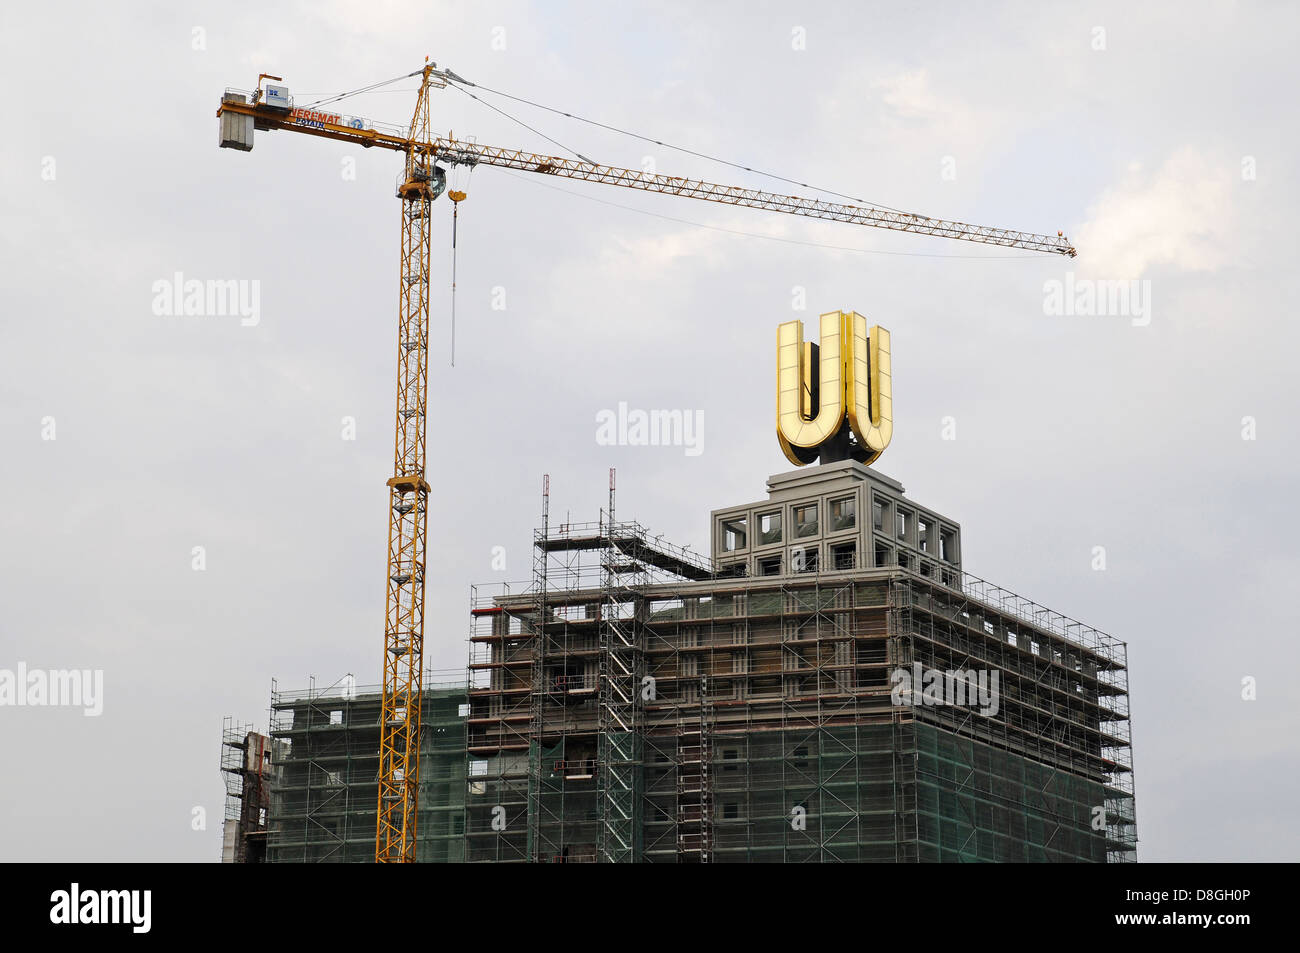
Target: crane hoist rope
column 456, row 198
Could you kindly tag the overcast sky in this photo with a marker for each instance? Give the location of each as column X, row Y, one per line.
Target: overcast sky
column 1160, row 139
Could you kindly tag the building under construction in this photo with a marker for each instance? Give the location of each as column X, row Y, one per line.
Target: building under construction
column 790, row 698
column 829, row 685
column 247, row 769
column 325, row 788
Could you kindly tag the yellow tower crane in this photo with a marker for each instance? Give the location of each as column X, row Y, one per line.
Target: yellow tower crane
column 269, row 107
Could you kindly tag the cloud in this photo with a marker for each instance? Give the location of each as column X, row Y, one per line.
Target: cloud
column 1181, row 215
column 910, row 97
column 912, row 106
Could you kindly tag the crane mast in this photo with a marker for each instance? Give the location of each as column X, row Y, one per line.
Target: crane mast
column 399, row 737
column 424, row 179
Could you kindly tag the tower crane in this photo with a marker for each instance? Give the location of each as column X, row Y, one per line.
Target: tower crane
column 424, row 179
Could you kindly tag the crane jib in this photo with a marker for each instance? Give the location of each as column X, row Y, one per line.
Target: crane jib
column 458, row 152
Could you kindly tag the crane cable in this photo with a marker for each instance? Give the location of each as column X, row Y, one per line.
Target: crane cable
column 454, row 80
column 716, row 228
column 767, row 238
column 459, row 83
column 364, row 89
column 554, row 142
column 456, row 198
column 455, row 214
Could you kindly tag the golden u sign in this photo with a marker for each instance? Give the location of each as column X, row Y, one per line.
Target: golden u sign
column 845, row 409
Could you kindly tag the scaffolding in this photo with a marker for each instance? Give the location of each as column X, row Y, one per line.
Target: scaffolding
column 783, row 735
column 620, row 692
column 558, row 689
column 1063, row 709
column 633, row 703
column 248, row 772
column 694, row 820
column 325, row 789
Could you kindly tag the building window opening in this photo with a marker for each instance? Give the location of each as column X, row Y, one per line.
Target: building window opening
column 733, row 534
column 844, row 556
column 844, row 514
column 948, row 546
column 805, row 521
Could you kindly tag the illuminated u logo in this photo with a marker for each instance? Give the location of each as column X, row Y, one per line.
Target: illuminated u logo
column 833, row 399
